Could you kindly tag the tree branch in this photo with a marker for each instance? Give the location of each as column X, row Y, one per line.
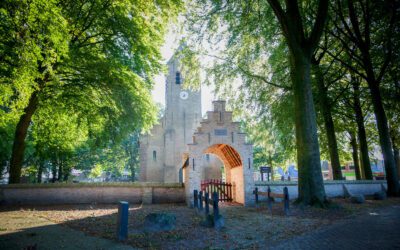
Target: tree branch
column 319, row 24
column 347, row 65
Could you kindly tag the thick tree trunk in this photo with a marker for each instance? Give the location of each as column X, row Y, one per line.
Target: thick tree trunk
column 396, row 152
column 17, row 155
column 362, row 136
column 353, row 143
column 328, row 123
column 397, row 160
column 384, row 138
column 311, row 186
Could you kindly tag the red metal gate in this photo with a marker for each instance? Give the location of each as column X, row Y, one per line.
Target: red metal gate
column 223, row 189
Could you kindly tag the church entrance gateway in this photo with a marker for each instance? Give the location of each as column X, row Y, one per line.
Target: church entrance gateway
column 218, row 135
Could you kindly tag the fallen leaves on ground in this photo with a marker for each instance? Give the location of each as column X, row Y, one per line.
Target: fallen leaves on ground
column 245, row 227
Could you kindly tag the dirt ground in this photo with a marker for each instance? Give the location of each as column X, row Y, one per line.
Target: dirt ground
column 245, row 227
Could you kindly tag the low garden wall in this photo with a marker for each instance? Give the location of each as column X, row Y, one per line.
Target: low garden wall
column 332, row 188
column 87, row 193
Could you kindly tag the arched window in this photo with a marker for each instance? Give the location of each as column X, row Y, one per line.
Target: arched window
column 154, row 155
column 178, row 77
column 208, row 157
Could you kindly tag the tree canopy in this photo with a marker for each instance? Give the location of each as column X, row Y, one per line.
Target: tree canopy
column 296, row 66
column 77, row 72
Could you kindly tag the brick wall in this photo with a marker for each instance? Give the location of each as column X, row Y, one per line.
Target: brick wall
column 86, row 193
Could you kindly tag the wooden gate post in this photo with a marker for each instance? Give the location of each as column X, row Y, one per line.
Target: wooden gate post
column 195, row 199
column 286, row 200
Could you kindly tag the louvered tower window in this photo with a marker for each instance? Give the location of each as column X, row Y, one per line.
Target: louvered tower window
column 178, row 77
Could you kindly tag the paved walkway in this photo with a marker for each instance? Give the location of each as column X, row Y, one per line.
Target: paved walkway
column 378, row 230
column 19, row 232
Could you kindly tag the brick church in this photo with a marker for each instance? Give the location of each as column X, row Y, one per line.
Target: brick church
column 162, row 150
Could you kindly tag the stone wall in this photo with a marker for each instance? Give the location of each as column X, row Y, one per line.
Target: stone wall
column 87, row 193
column 332, row 188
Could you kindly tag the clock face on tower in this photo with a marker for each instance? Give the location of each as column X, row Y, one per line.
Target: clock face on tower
column 184, row 95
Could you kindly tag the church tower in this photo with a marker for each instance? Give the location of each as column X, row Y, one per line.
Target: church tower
column 161, row 151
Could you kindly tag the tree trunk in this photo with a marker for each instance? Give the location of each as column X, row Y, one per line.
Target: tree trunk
column 17, row 154
column 60, row 169
column 366, row 165
column 311, row 186
column 362, row 171
column 384, row 138
column 40, row 171
column 353, row 143
column 66, row 173
column 3, row 166
column 270, row 165
column 328, row 122
column 396, row 154
column 54, row 171
column 397, row 160
column 133, row 173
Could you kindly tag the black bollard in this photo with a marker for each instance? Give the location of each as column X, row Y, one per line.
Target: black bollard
column 195, row 198
column 207, row 202
column 122, row 223
column 200, row 201
column 255, row 192
column 269, row 200
column 286, row 200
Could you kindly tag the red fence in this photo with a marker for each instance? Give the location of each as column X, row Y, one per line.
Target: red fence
column 223, row 189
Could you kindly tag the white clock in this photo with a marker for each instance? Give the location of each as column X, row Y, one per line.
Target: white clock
column 184, row 95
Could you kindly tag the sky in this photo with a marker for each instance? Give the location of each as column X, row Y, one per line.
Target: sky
column 158, row 93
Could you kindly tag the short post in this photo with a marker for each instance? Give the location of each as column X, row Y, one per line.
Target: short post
column 215, row 207
column 255, row 192
column 269, row 200
column 195, row 199
column 122, row 223
column 286, row 200
column 207, row 202
column 200, row 201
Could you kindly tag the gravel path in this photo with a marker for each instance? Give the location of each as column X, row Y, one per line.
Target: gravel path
column 371, row 230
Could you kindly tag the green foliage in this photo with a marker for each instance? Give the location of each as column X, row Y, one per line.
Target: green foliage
column 246, row 59
column 90, row 62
